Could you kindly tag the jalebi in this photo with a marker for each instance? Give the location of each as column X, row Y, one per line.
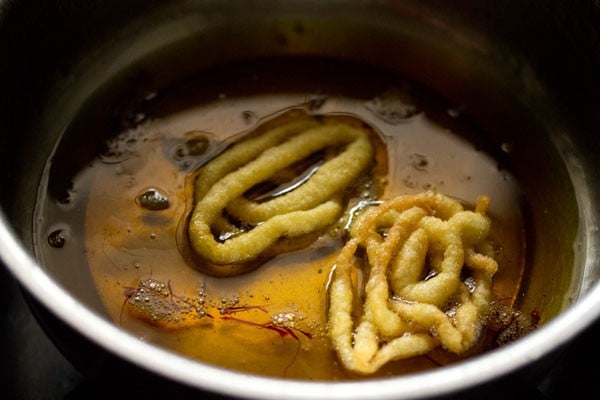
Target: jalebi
column 293, row 217
column 429, row 266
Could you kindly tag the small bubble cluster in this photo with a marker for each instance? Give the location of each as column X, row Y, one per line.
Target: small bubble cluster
column 57, row 238
column 393, row 106
column 368, row 190
column 284, row 320
column 184, row 154
column 154, row 301
column 419, row 162
column 153, row 199
column 122, row 146
column 228, row 303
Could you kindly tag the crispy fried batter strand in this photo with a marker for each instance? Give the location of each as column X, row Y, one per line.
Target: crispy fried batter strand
column 310, row 208
column 428, row 281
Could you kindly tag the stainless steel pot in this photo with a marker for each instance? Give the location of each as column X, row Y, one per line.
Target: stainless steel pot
column 525, row 65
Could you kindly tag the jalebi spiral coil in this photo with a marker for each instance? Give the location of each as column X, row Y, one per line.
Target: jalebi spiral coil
column 286, row 221
column 428, row 265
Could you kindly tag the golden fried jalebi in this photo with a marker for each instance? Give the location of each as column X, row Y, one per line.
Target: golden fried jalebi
column 286, row 220
column 429, row 267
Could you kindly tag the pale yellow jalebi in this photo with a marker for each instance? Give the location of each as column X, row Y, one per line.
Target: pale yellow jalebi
column 417, row 249
column 313, row 206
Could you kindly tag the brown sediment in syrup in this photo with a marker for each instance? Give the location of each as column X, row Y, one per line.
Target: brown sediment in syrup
column 129, row 247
